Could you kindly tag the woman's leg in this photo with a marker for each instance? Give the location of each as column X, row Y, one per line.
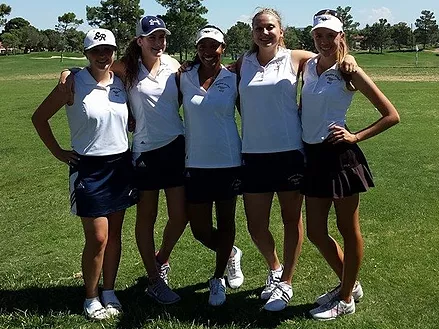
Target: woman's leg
column 257, row 209
column 291, row 211
column 96, row 235
column 113, row 249
column 176, row 224
column 317, row 210
column 201, row 222
column 145, row 220
column 225, row 218
column 218, row 239
column 348, row 224
column 146, row 217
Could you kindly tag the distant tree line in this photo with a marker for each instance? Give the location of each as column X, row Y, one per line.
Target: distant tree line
column 184, row 18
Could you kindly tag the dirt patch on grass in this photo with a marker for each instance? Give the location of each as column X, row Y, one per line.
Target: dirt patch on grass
column 414, row 78
column 58, row 57
column 45, row 76
column 375, row 77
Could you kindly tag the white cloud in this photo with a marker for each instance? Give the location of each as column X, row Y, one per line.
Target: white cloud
column 372, row 16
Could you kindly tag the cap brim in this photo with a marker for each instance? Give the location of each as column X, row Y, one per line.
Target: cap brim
column 328, row 22
column 154, row 30
column 208, row 37
column 102, row 44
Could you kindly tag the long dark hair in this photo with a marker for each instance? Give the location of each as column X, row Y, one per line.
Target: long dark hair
column 131, row 61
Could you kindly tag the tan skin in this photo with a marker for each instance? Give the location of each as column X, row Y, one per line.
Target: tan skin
column 153, row 47
column 267, row 33
column 102, row 234
column 345, row 264
column 218, row 239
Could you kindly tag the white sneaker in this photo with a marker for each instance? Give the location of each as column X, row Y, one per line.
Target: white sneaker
column 280, row 297
column 113, row 309
column 96, row 313
column 333, row 309
column 217, row 288
column 163, row 270
column 357, row 294
column 160, row 291
column 235, row 277
column 272, row 280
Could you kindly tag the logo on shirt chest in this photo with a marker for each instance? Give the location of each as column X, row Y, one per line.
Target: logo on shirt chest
column 116, row 92
column 222, row 86
column 117, row 95
column 331, row 78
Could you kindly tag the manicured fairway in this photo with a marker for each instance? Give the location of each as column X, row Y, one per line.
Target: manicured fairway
column 41, row 243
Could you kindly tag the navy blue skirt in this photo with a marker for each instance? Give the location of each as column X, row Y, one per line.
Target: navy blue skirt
column 335, row 171
column 101, row 185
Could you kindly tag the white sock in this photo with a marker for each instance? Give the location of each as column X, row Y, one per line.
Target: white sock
column 108, row 296
column 280, row 269
column 92, row 304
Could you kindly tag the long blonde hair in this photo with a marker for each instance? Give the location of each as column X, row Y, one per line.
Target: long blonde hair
column 343, row 49
column 268, row 11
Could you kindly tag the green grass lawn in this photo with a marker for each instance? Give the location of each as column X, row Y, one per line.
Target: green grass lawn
column 41, row 243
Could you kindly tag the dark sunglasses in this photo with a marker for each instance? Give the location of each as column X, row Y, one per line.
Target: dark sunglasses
column 328, row 12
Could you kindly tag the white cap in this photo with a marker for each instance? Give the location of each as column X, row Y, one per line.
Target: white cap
column 211, row 33
column 99, row 37
column 327, row 21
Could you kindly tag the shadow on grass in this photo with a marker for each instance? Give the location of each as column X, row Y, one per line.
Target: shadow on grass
column 43, row 301
column 242, row 309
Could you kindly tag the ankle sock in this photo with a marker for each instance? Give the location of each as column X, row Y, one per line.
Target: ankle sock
column 108, row 296
column 280, row 269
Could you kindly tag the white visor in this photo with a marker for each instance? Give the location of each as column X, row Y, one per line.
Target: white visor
column 211, row 33
column 329, row 22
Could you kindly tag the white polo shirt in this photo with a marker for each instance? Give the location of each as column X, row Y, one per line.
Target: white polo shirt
column 98, row 117
column 154, row 104
column 325, row 101
column 270, row 118
column 212, row 139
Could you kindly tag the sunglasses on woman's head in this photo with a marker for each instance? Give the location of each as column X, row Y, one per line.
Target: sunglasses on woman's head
column 328, row 12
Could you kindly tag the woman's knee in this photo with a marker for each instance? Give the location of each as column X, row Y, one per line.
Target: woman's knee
column 257, row 232
column 291, row 217
column 316, row 235
column 97, row 241
column 146, row 217
column 200, row 233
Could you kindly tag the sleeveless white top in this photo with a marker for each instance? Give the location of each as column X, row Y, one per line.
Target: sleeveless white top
column 325, row 101
column 98, row 117
column 270, row 118
column 212, row 139
column 154, row 104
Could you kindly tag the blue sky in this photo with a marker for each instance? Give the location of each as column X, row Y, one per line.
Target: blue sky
column 225, row 13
